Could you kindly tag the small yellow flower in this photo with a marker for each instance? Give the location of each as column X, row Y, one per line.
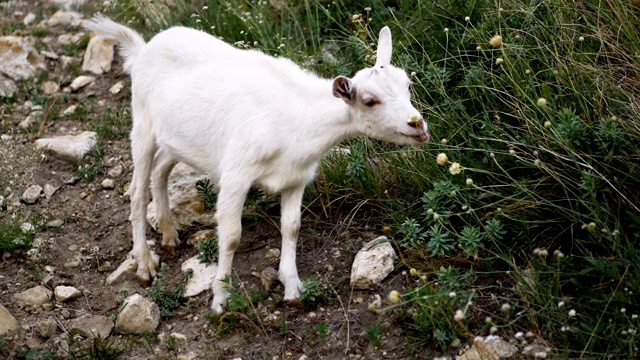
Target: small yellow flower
column 442, row 159
column 527, row 72
column 394, row 296
column 444, row 141
column 537, row 162
column 478, row 48
column 542, row 102
column 455, row 168
column 413, row 272
column 499, row 61
column 547, row 124
column 496, row 41
column 581, row 38
column 436, row 216
column 469, row 181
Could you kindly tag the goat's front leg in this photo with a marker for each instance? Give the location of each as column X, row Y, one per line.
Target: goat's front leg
column 291, row 202
column 229, row 218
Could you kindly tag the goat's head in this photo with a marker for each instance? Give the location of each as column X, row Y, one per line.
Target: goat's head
column 380, row 99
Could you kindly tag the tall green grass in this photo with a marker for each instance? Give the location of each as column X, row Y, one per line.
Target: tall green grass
column 533, row 209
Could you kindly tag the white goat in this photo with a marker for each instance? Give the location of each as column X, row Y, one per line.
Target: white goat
column 247, row 119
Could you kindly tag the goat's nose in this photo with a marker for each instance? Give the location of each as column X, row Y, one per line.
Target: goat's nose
column 416, row 122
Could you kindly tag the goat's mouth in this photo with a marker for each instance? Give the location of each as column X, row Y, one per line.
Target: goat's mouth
column 422, row 137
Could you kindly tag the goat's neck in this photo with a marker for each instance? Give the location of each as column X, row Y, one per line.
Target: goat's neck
column 325, row 121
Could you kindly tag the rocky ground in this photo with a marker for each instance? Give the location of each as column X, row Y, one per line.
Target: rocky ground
column 64, row 94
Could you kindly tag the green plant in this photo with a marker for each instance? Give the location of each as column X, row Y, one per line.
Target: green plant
column 208, row 249
column 98, row 348
column 208, row 196
column 167, row 298
column 374, row 335
column 313, row 293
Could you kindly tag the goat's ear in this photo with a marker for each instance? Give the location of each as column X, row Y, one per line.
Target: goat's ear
column 383, row 56
column 343, row 89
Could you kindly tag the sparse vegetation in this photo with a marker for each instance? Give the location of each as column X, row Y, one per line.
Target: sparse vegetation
column 168, row 298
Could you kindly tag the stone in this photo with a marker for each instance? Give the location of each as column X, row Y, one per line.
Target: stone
column 7, row 321
column 18, row 59
column 69, row 147
column 47, row 328
column 69, row 39
column 188, row 356
column 196, row 238
column 30, row 18
column 127, row 269
column 99, row 55
column 50, row 88
column 30, row 119
column 49, row 190
column 68, row 4
column 137, row 316
column 65, row 293
column 185, row 202
column 91, row 326
column 35, row 296
column 372, row 263
column 70, row 110
column 116, row 171
column 491, row 347
column 7, row 86
column 81, row 81
column 178, row 337
column 203, row 275
column 62, row 17
column 272, row 255
column 268, row 276
column 32, row 194
column 108, row 184
column 54, row 224
column 117, row 87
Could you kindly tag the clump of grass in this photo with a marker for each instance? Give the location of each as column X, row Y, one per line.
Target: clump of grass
column 168, row 298
column 208, row 249
column 13, row 238
column 313, row 294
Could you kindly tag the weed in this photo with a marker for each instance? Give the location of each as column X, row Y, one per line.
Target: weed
column 91, row 164
column 208, row 196
column 313, row 293
column 13, row 238
column 98, row 348
column 322, row 330
column 374, row 335
column 167, row 298
column 208, row 249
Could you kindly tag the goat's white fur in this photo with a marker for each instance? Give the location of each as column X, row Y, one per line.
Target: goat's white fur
column 247, row 119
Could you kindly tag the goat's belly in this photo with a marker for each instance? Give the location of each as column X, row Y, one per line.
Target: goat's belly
column 276, row 182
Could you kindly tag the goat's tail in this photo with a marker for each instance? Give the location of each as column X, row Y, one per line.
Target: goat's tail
column 129, row 42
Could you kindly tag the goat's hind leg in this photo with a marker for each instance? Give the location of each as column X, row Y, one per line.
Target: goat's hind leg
column 143, row 148
column 163, row 164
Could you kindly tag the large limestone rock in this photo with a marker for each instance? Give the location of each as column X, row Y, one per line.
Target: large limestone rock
column 62, row 17
column 372, row 263
column 18, row 59
column 91, row 326
column 203, row 275
column 137, row 316
column 7, row 321
column 33, row 297
column 69, row 147
column 32, row 194
column 99, row 55
column 186, row 206
column 66, row 293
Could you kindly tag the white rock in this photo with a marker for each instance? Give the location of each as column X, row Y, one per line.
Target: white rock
column 7, row 87
column 62, row 17
column 203, row 275
column 137, row 316
column 99, row 55
column 49, row 54
column 56, row 223
column 66, row 60
column 127, row 269
column 68, row 4
column 186, row 205
column 178, row 337
column 7, row 321
column 91, row 326
column 26, row 227
column 50, row 88
column 117, row 87
column 64, row 293
column 108, row 184
column 491, row 347
column 49, row 190
column 372, row 263
column 70, row 110
column 69, row 147
column 31, row 17
column 31, row 119
column 18, row 59
column 188, row 356
column 81, row 81
column 115, row 171
column 32, row 194
column 35, row 296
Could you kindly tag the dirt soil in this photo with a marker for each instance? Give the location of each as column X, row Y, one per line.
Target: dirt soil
column 96, row 225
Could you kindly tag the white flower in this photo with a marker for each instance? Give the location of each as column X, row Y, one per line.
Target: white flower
column 493, row 329
column 442, row 159
column 623, row 310
column 455, row 168
column 572, row 313
column 458, row 316
column 519, row 335
column 560, row 304
column 446, row 29
column 394, row 296
column 469, row 181
column 452, row 294
column 542, row 102
column 505, row 307
column 547, row 124
column 496, row 41
column 499, row 61
column 467, row 19
column 436, row 216
column 581, row 38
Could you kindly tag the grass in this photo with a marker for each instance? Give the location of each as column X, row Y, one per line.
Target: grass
column 532, row 210
column 168, row 298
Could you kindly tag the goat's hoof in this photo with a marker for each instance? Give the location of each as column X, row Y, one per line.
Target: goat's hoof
column 169, row 249
column 145, row 283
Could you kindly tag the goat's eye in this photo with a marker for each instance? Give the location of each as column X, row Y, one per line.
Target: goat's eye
column 370, row 102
